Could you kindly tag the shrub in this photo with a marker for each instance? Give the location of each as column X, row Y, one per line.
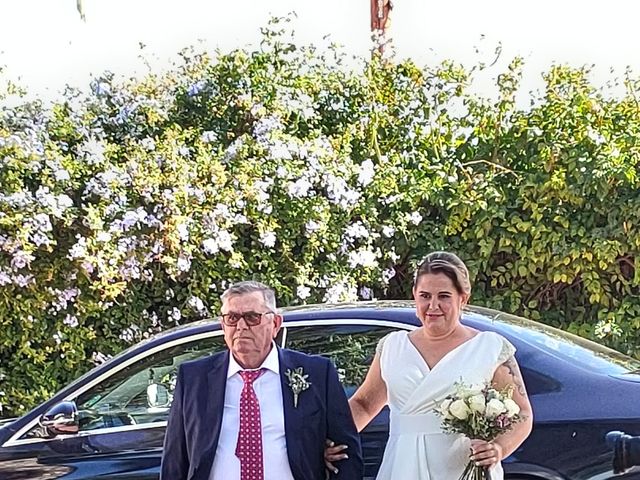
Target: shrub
column 128, row 209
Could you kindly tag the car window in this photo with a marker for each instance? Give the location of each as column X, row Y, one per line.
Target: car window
column 122, row 399
column 538, row 383
column 350, row 347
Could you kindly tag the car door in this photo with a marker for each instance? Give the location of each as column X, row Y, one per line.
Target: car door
column 351, row 345
column 121, row 434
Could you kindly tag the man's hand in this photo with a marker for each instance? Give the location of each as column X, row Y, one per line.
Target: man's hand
column 332, row 454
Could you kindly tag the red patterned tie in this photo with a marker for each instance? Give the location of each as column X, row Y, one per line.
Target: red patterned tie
column 249, row 446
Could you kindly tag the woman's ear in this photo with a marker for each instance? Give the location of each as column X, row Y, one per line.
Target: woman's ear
column 465, row 298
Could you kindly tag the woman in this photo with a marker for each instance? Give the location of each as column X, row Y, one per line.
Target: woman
column 413, row 372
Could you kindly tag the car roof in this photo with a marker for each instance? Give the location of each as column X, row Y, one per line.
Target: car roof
column 520, row 331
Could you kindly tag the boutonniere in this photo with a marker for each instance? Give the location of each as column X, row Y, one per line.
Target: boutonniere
column 297, row 382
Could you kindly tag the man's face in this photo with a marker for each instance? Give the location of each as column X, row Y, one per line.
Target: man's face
column 250, row 345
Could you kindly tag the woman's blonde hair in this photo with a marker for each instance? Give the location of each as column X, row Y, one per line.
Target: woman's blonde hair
column 449, row 264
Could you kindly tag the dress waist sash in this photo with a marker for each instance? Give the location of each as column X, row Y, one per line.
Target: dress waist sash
column 428, row 424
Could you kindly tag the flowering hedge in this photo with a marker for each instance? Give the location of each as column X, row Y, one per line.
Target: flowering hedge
column 127, row 210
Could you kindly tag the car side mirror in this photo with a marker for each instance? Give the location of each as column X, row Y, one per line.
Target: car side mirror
column 158, row 395
column 61, row 419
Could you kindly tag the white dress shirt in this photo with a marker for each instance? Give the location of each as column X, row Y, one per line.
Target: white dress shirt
column 226, row 466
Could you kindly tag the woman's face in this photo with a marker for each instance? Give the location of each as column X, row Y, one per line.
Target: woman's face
column 438, row 303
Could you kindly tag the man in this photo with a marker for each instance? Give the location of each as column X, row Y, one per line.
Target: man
column 257, row 412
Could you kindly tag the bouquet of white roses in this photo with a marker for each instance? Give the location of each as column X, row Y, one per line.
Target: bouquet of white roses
column 478, row 413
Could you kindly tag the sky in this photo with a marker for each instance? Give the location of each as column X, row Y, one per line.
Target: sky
column 44, row 43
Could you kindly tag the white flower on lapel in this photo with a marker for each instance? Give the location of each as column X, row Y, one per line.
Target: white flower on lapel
column 297, row 382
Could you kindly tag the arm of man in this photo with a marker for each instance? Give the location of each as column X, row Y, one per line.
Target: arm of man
column 365, row 404
column 507, row 375
column 175, row 461
column 341, row 429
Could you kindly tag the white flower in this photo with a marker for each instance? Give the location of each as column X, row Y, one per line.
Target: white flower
column 300, row 188
column 281, row 172
column 366, row 293
column 195, row 88
column 93, row 151
column 512, row 407
column 459, row 409
column 99, row 358
column 196, row 303
column 184, row 263
column 183, row 231
column 23, row 280
column 225, row 241
column 268, row 239
column 148, row 144
column 357, row 230
column 339, row 192
column 311, row 226
column 61, row 175
column 40, row 239
column 175, row 314
column 365, row 258
column 443, row 408
column 263, row 127
column 340, row 292
column 477, row 403
column 494, row 408
column 208, row 136
column 595, row 136
column 388, row 274
column 210, row 246
column 21, row 259
column 70, row 320
column 279, row 151
column 79, row 250
column 367, row 172
column 303, row 292
column 103, row 237
column 415, row 218
column 388, row 231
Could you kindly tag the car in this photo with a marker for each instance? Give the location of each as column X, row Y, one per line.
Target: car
column 110, row 423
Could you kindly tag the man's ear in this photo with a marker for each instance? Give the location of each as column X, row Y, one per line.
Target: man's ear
column 277, row 323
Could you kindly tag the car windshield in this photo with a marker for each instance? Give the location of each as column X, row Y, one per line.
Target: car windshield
column 579, row 351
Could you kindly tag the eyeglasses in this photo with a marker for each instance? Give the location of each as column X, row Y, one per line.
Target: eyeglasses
column 252, row 319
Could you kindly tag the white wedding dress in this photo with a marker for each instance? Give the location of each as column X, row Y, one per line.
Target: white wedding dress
column 417, row 448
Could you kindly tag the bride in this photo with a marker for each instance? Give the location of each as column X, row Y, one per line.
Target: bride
column 413, row 372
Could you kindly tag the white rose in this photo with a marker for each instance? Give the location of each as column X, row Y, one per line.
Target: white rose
column 444, row 409
column 477, row 403
column 512, row 407
column 459, row 409
column 494, row 408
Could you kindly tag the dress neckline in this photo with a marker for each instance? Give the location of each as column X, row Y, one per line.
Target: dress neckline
column 445, row 356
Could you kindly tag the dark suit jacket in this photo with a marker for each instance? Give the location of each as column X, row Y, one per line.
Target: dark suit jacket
column 195, row 419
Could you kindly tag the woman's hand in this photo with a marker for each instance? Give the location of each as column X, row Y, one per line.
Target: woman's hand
column 332, row 454
column 484, row 454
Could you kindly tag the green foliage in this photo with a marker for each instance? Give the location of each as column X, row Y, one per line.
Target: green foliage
column 128, row 210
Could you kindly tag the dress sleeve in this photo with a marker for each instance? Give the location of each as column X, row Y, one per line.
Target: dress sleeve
column 508, row 350
column 381, row 343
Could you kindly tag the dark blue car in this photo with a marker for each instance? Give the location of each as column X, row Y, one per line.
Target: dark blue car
column 110, row 423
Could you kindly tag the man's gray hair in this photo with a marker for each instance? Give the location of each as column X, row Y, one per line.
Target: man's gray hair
column 250, row 286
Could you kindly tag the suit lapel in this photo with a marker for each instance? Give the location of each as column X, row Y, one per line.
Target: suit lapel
column 291, row 417
column 214, row 401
